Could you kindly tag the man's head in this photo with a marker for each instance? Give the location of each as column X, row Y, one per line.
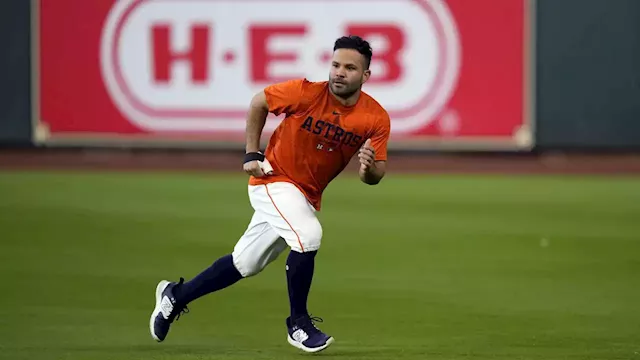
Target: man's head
column 349, row 66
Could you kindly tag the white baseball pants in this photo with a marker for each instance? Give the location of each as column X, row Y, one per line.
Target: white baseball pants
column 283, row 218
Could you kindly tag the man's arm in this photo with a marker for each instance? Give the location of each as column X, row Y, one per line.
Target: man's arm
column 373, row 153
column 371, row 171
column 283, row 97
column 257, row 117
column 278, row 98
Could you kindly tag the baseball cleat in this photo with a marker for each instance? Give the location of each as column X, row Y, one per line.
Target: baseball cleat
column 166, row 311
column 304, row 335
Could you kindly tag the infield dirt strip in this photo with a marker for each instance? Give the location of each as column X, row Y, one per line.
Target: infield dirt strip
column 168, row 160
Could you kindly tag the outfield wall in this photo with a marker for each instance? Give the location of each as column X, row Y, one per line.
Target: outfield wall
column 588, row 74
column 15, row 73
column 455, row 74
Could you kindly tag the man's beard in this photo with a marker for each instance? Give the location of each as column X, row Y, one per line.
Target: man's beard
column 343, row 93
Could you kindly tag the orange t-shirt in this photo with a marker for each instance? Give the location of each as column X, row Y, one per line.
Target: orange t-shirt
column 319, row 136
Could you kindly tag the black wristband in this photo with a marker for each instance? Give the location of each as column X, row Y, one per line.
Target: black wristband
column 252, row 156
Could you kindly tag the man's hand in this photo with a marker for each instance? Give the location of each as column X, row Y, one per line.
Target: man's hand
column 367, row 156
column 253, row 168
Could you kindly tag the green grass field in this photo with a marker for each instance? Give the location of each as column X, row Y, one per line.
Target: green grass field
column 419, row 267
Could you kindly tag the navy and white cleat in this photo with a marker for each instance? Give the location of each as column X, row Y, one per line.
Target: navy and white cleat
column 304, row 335
column 166, row 311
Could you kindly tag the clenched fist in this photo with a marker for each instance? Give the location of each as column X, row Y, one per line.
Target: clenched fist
column 367, row 155
column 253, row 168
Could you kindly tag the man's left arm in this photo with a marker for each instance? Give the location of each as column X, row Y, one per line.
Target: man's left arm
column 373, row 154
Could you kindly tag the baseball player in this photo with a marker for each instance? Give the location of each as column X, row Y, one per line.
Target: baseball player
column 326, row 124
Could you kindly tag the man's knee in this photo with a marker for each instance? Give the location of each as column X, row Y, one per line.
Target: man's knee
column 253, row 259
column 310, row 237
column 246, row 264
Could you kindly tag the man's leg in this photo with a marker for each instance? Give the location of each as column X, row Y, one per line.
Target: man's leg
column 293, row 218
column 300, row 267
column 257, row 247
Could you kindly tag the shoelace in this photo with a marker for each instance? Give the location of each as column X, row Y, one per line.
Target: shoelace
column 310, row 326
column 184, row 310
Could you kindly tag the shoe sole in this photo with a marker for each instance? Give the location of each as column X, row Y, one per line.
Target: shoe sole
column 301, row 346
column 159, row 290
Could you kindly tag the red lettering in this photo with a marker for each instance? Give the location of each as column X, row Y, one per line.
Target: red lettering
column 390, row 56
column 196, row 55
column 260, row 55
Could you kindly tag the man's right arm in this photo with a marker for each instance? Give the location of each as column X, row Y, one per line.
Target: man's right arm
column 257, row 117
column 282, row 97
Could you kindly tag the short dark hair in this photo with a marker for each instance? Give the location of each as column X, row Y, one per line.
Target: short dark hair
column 356, row 43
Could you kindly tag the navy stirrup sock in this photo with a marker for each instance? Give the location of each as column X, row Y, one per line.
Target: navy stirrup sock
column 221, row 274
column 299, row 275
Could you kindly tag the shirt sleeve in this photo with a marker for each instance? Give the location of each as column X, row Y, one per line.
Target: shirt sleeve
column 284, row 97
column 380, row 137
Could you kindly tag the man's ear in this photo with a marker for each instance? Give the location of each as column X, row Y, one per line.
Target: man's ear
column 366, row 75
